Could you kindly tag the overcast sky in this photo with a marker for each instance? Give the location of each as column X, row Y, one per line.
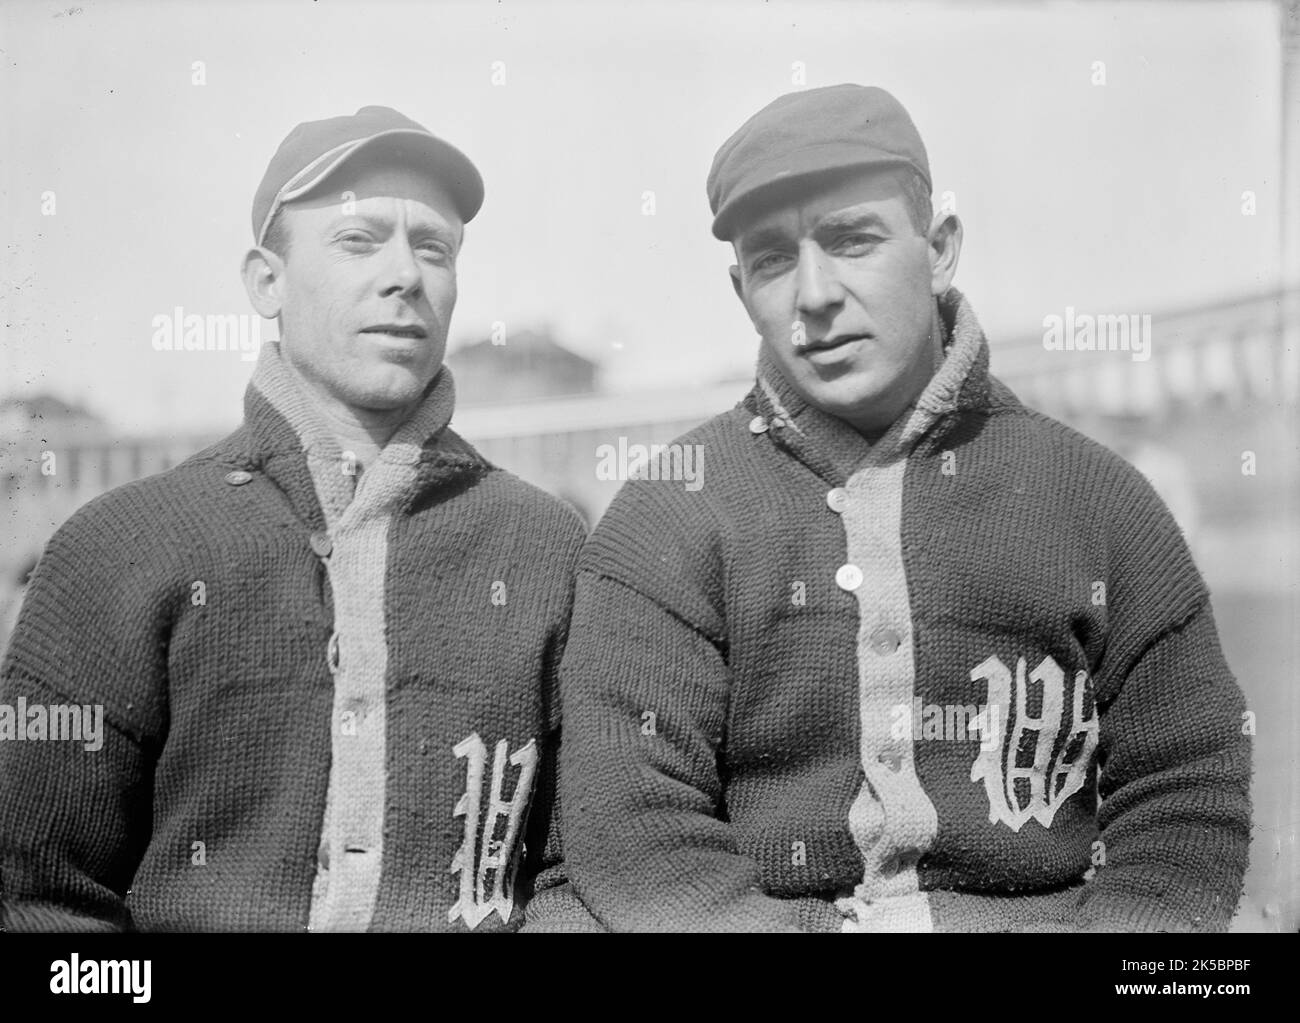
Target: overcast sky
column 1115, row 198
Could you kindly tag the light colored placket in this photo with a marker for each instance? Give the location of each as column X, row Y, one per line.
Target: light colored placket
column 347, row 881
column 354, row 550
column 892, row 819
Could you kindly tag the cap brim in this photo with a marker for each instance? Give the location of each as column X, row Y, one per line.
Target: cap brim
column 452, row 169
column 776, row 177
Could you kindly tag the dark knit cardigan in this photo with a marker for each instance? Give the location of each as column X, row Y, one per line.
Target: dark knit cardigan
column 770, row 683
column 325, row 696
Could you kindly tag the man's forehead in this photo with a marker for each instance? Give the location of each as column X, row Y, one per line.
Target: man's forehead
column 802, row 208
column 365, row 180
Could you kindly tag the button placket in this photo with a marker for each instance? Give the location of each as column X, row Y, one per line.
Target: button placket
column 885, row 641
column 871, row 506
column 332, row 653
column 848, row 577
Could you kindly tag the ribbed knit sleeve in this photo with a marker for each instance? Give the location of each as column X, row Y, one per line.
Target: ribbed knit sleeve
column 645, row 686
column 544, row 860
column 645, row 702
column 75, row 817
column 1174, row 749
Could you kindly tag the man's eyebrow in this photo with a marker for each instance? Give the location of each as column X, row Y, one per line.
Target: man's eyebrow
column 384, row 224
column 762, row 238
column 832, row 223
column 850, row 220
column 367, row 219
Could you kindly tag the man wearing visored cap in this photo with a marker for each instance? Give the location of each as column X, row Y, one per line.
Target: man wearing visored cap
column 915, row 657
column 325, row 647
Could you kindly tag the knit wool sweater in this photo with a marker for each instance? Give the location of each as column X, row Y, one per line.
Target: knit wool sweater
column 327, row 692
column 965, row 678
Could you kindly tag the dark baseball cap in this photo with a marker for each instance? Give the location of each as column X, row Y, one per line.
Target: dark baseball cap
column 316, row 149
column 808, row 133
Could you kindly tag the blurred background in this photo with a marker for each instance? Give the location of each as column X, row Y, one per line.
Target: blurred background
column 1107, row 158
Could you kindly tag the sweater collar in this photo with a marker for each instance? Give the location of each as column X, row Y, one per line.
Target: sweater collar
column 832, row 447
column 291, row 442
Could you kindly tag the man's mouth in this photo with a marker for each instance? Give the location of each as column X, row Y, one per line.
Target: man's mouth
column 412, row 331
column 826, row 344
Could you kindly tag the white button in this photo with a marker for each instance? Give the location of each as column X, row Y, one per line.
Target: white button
column 885, row 641
column 848, row 577
column 757, row 425
column 838, row 499
column 355, row 710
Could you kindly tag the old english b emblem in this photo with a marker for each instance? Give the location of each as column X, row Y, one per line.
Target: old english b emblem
column 487, row 873
column 1019, row 791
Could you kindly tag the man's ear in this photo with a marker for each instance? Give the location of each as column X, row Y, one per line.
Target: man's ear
column 263, row 273
column 735, row 283
column 740, row 294
column 944, row 240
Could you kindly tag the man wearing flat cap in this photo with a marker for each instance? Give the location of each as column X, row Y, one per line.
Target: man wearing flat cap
column 915, row 657
column 325, row 648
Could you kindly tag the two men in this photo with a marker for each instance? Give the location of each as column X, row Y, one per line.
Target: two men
column 915, row 657
column 324, row 648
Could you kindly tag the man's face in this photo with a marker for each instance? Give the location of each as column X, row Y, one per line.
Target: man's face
column 369, row 283
column 840, row 285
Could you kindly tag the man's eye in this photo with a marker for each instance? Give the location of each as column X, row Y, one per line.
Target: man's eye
column 769, row 261
column 434, row 252
column 856, row 243
column 355, row 238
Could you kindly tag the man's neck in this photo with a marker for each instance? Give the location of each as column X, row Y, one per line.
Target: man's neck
column 361, row 433
column 935, row 349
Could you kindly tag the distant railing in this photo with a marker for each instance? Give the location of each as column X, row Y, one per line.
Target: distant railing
column 76, row 470
column 1234, row 353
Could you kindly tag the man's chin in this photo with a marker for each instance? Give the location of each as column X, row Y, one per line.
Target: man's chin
column 388, row 388
column 848, row 397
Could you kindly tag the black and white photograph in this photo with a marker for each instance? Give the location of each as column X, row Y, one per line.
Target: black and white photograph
column 574, row 467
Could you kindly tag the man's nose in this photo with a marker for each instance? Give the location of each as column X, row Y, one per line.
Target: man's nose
column 401, row 270
column 817, row 288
